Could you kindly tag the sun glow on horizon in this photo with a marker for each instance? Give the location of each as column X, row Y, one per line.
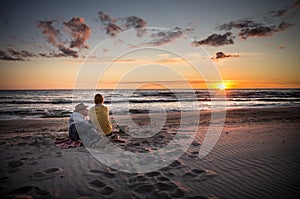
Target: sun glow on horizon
column 221, row 86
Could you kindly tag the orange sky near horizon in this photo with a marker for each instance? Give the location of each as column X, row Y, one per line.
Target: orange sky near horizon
column 56, row 76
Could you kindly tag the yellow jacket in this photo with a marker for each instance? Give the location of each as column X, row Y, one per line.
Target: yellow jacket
column 99, row 116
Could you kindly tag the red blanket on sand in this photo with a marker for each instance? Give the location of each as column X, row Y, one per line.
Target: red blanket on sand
column 64, row 143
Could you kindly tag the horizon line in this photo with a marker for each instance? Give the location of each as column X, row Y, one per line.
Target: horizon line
column 61, row 89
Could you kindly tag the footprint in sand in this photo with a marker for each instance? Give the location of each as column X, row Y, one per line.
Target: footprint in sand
column 194, row 154
column 169, row 186
column 29, row 192
column 46, row 174
column 97, row 183
column 107, row 191
column 152, row 174
column 100, row 186
column 137, row 179
column 194, row 143
column 142, row 188
column 5, row 179
column 176, row 164
column 163, row 179
column 199, row 175
column 154, row 182
column 160, row 189
column 14, row 165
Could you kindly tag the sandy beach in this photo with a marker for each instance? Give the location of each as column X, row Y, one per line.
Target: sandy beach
column 256, row 156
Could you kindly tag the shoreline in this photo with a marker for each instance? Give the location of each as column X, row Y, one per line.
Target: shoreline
column 145, row 112
column 256, row 152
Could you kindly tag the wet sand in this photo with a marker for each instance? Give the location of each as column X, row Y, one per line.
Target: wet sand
column 256, row 156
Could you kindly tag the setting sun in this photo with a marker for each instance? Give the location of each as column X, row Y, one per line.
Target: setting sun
column 222, row 86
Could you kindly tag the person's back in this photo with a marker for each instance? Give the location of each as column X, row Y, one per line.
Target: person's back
column 99, row 115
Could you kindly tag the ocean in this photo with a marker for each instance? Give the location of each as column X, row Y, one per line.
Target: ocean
column 29, row 104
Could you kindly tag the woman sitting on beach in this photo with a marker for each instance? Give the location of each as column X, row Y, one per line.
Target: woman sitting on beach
column 99, row 115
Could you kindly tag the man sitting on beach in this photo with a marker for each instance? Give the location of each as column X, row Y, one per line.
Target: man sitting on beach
column 99, row 115
column 78, row 115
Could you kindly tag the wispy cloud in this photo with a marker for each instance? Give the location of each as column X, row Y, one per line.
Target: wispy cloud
column 163, row 36
column 136, row 23
column 105, row 18
column 279, row 13
column 15, row 55
column 79, row 33
column 113, row 26
column 250, row 28
column 68, row 51
column 289, row 11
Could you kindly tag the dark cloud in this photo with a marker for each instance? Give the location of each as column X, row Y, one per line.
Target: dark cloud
column 239, row 24
column 45, row 55
column 216, row 40
column 249, row 28
column 80, row 32
column 113, row 26
column 52, row 55
column 279, row 13
column 260, row 31
column 263, row 31
column 105, row 19
column 283, row 26
column 109, row 24
column 22, row 53
column 136, row 23
column 112, row 29
column 68, row 51
column 4, row 55
column 221, row 55
column 65, row 53
column 165, row 36
column 287, row 12
column 14, row 55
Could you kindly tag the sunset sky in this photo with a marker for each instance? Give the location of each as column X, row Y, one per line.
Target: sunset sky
column 149, row 44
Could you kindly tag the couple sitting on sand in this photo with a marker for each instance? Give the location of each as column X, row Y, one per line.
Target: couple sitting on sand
column 98, row 122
